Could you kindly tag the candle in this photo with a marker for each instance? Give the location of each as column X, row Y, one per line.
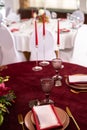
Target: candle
column 43, row 24
column 36, row 35
column 58, row 34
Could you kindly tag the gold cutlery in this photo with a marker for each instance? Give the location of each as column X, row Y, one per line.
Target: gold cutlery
column 70, row 115
column 21, row 121
column 78, row 91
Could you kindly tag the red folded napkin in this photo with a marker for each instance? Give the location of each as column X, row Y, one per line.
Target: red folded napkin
column 14, row 29
column 77, row 79
column 13, row 22
column 46, row 117
column 64, row 30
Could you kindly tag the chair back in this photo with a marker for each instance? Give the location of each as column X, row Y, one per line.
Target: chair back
column 79, row 15
column 45, row 46
column 77, row 18
column 80, row 47
column 8, row 11
column 7, row 45
column 47, row 12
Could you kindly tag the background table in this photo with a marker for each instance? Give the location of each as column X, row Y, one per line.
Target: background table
column 26, row 27
column 26, row 85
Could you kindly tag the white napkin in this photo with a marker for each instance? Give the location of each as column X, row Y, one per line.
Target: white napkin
column 77, row 78
column 46, row 117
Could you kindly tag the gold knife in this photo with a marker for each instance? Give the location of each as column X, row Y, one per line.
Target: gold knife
column 20, row 120
column 70, row 115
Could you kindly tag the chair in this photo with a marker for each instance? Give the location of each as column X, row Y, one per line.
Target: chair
column 47, row 12
column 13, row 17
column 80, row 47
column 8, row 11
column 54, row 15
column 77, row 18
column 66, row 54
column 48, row 43
column 79, row 15
column 7, row 47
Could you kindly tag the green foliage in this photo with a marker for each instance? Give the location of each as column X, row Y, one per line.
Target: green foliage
column 6, row 99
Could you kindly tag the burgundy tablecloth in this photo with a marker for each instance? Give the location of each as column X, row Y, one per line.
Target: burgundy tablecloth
column 26, row 85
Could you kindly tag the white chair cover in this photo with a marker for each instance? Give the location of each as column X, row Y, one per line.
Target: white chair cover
column 77, row 18
column 12, row 16
column 47, row 42
column 54, row 15
column 47, row 12
column 79, row 15
column 7, row 45
column 8, row 11
column 80, row 47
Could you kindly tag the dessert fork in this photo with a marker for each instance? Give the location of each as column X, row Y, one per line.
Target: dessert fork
column 21, row 121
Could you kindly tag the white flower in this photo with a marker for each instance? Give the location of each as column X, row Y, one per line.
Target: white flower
column 41, row 12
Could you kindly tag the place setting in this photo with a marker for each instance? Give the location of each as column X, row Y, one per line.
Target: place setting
column 77, row 82
column 38, row 115
column 44, row 114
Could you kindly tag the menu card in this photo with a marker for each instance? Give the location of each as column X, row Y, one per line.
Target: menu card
column 77, row 78
column 46, row 117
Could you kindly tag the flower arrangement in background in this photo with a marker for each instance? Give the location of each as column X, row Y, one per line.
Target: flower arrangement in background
column 7, row 97
column 41, row 14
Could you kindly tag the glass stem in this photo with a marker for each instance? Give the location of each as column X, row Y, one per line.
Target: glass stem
column 47, row 97
column 57, row 73
column 36, row 56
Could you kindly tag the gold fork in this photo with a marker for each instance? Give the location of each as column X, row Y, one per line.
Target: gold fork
column 70, row 115
column 21, row 121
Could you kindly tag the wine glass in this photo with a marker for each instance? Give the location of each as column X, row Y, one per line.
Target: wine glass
column 47, row 85
column 57, row 65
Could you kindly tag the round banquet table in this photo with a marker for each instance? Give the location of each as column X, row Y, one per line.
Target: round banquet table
column 26, row 85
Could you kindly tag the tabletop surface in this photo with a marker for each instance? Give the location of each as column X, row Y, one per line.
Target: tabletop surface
column 26, row 85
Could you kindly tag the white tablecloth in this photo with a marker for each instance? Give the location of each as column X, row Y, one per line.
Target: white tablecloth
column 26, row 27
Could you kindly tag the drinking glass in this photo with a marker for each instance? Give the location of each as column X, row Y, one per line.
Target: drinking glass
column 57, row 65
column 47, row 85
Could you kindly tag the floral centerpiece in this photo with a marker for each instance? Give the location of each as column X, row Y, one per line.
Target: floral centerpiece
column 7, row 96
column 41, row 14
